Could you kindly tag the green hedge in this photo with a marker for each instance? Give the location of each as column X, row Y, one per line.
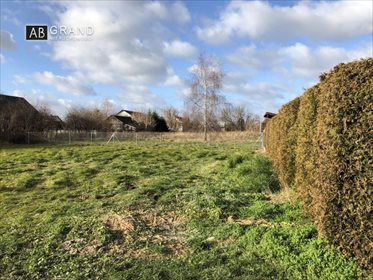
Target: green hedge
column 326, row 153
column 306, row 150
column 282, row 141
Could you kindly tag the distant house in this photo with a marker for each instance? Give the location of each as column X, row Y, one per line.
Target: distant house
column 179, row 121
column 127, row 120
column 53, row 122
column 222, row 125
column 267, row 117
column 10, row 103
column 17, row 117
column 175, row 123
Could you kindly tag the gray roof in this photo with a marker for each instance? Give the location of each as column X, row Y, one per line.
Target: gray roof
column 14, row 103
column 269, row 115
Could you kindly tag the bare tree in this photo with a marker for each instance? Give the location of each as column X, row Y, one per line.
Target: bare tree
column 108, row 108
column 252, row 122
column 204, row 99
column 46, row 120
column 86, row 119
column 144, row 118
column 233, row 117
column 172, row 119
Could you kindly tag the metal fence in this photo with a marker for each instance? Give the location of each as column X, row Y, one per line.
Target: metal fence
column 75, row 136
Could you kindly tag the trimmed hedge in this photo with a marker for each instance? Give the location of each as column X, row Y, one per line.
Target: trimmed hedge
column 306, row 150
column 282, row 142
column 327, row 155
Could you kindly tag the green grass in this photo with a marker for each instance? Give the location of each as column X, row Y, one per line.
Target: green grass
column 153, row 210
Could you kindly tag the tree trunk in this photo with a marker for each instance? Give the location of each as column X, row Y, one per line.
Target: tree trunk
column 205, row 116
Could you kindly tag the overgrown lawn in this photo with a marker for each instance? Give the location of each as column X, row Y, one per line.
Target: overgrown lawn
column 154, row 210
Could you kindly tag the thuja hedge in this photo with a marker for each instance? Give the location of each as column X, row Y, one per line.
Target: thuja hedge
column 282, row 140
column 321, row 145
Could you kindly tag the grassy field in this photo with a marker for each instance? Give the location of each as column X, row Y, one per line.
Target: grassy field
column 154, row 210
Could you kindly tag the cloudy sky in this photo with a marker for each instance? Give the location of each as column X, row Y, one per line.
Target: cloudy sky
column 139, row 53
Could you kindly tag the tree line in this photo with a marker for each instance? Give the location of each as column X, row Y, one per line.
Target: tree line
column 205, row 110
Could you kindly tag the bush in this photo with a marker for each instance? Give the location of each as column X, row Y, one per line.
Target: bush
column 325, row 150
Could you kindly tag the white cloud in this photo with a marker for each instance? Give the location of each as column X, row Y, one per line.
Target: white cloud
column 127, row 48
column 251, row 59
column 36, row 47
column 301, row 60
column 179, row 48
column 315, row 20
column 257, row 96
column 176, row 12
column 66, row 84
column 140, row 97
column 214, row 34
column 37, row 98
column 236, row 83
column 245, row 56
column 2, row 58
column 157, row 8
column 18, row 93
column 173, row 79
column 10, row 16
column 297, row 60
column 127, row 44
column 180, row 12
column 290, row 69
column 35, row 91
column 181, row 86
column 66, row 103
column 7, row 41
column 18, row 79
column 193, row 68
column 185, row 92
column 58, row 105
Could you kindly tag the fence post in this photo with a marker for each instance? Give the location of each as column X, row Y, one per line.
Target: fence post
column 91, row 135
column 69, row 138
column 136, row 136
column 28, row 137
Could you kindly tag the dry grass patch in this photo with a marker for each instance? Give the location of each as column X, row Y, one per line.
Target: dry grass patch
column 283, row 196
column 166, row 230
column 80, row 246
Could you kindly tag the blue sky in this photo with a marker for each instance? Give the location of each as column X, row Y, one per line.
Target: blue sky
column 140, row 53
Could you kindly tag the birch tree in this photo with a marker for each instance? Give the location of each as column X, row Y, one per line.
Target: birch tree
column 204, row 99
